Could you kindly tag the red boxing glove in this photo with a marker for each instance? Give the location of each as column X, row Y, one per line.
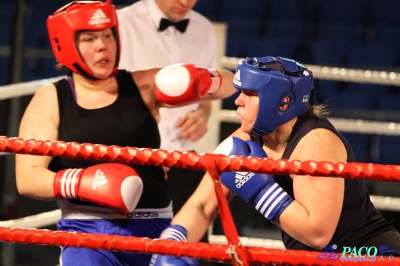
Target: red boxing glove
column 182, row 84
column 112, row 185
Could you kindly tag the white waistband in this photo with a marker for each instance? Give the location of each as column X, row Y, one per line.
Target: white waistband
column 76, row 211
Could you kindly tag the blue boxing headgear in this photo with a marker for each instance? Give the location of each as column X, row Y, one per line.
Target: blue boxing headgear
column 275, row 78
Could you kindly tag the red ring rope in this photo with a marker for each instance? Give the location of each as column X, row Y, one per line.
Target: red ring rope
column 213, row 163
column 211, row 252
column 147, row 156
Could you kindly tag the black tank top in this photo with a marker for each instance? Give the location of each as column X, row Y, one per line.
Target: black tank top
column 126, row 122
column 357, row 206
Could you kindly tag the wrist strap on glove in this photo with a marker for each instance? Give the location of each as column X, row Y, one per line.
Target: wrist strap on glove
column 175, row 232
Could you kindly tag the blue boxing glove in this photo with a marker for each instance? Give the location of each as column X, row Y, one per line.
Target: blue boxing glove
column 259, row 189
column 173, row 232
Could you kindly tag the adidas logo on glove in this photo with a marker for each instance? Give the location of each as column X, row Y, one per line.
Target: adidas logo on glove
column 99, row 179
column 242, row 177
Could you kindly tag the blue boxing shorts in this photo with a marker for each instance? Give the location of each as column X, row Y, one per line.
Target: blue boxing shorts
column 72, row 256
column 144, row 223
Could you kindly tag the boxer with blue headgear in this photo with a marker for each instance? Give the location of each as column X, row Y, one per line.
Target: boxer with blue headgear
column 275, row 78
column 279, row 120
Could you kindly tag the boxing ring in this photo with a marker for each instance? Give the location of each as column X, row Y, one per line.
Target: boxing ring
column 229, row 247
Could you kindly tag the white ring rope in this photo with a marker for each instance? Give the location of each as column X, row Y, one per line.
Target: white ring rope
column 386, row 203
column 34, row 221
column 320, row 72
column 248, row 241
column 342, row 124
column 390, row 78
column 24, row 88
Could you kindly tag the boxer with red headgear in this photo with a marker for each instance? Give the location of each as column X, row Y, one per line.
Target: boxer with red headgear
column 64, row 25
column 101, row 104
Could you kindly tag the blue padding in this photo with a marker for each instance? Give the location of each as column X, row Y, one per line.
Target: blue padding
column 386, row 12
column 4, row 67
column 372, row 55
column 273, row 46
column 6, row 15
column 329, row 52
column 244, row 9
column 389, row 150
column 343, row 11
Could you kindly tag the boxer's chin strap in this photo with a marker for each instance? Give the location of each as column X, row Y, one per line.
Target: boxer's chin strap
column 257, row 139
column 83, row 72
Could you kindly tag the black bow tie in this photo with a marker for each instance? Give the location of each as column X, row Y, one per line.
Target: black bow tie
column 179, row 25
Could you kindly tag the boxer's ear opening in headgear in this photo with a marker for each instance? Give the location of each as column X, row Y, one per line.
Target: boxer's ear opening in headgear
column 64, row 25
column 275, row 79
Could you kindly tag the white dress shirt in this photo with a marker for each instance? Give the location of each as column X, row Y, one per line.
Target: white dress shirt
column 143, row 46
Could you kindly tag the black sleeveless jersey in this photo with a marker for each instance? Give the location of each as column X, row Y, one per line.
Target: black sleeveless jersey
column 357, row 206
column 126, row 122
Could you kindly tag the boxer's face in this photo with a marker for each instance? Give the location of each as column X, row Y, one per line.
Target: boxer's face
column 247, row 103
column 175, row 9
column 98, row 50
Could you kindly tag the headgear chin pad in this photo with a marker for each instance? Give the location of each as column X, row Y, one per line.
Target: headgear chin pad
column 77, row 16
column 275, row 78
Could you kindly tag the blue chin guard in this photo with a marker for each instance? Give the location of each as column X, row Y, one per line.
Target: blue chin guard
column 275, row 78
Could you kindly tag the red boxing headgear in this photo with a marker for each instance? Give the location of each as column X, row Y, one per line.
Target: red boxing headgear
column 77, row 16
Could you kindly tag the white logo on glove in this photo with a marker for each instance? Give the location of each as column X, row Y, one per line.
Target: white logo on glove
column 242, row 177
column 99, row 179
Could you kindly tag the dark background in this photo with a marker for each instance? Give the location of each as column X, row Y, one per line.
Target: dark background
column 357, row 33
